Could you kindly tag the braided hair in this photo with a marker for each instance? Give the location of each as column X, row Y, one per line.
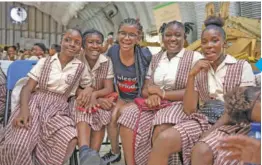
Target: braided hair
column 133, row 22
column 91, row 31
column 239, row 103
column 166, row 25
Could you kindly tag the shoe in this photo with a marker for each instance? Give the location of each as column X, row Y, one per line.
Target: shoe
column 91, row 157
column 111, row 158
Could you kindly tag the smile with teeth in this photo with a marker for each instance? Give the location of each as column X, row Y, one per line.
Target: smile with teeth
column 173, row 44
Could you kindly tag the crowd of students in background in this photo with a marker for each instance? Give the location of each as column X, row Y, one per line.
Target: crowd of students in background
column 37, row 51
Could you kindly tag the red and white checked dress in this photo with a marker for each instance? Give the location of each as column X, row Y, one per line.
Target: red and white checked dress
column 52, row 127
column 192, row 129
column 101, row 117
column 172, row 114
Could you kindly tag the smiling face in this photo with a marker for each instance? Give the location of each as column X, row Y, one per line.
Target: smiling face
column 212, row 44
column 11, row 52
column 93, row 46
column 127, row 37
column 37, row 51
column 173, row 38
column 71, row 43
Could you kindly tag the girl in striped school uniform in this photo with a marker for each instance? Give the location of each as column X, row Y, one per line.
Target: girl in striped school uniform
column 2, row 94
column 91, row 126
column 165, row 80
column 130, row 64
column 41, row 129
column 208, row 81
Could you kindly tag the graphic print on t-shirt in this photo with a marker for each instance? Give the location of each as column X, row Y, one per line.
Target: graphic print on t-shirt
column 127, row 84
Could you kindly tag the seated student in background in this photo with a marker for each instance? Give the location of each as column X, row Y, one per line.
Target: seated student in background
column 208, row 81
column 11, row 53
column 55, row 48
column 109, row 43
column 242, row 105
column 41, row 129
column 38, row 51
column 91, row 126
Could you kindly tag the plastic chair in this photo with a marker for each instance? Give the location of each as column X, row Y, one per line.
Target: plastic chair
column 256, row 72
column 17, row 70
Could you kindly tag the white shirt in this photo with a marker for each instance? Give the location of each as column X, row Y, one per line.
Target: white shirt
column 92, row 72
column 166, row 70
column 216, row 78
column 60, row 79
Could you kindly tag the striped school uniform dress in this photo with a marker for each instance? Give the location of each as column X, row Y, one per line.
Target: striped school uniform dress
column 192, row 129
column 101, row 117
column 51, row 129
column 172, row 114
column 2, row 95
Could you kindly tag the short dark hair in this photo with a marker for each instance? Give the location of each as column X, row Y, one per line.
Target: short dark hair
column 56, row 47
column 5, row 48
column 14, row 47
column 41, row 45
column 91, row 31
column 110, row 33
column 74, row 29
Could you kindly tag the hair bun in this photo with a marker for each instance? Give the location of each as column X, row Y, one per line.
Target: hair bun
column 213, row 20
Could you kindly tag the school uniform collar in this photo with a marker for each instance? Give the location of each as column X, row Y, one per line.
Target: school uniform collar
column 55, row 58
column 101, row 59
column 179, row 55
column 230, row 59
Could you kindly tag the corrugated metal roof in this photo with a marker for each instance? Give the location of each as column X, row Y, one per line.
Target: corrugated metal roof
column 250, row 9
column 95, row 14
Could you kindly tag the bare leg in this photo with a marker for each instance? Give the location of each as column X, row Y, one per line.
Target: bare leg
column 201, row 154
column 112, row 128
column 167, row 142
column 97, row 139
column 70, row 149
column 83, row 134
column 126, row 135
column 158, row 129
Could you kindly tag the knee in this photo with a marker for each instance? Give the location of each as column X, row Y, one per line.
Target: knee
column 159, row 129
column 169, row 140
column 202, row 151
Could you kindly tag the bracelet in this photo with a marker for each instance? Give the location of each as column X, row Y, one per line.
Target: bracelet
column 164, row 93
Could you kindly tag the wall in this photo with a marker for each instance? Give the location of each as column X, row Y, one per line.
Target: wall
column 40, row 27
